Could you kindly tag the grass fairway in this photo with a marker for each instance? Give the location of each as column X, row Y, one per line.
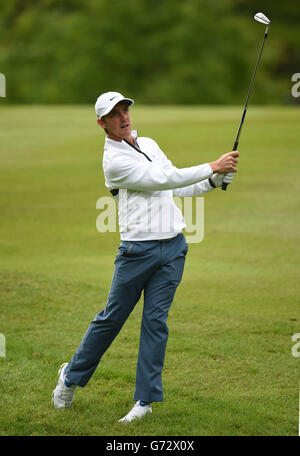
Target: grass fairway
column 229, row 368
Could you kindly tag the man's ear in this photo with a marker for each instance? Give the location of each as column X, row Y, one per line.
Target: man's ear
column 101, row 123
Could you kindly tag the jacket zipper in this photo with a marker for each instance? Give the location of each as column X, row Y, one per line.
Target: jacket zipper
column 137, row 149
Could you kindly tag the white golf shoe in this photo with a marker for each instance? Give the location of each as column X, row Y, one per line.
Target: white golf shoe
column 63, row 395
column 138, row 411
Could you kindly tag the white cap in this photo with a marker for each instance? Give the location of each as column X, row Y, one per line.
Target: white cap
column 107, row 101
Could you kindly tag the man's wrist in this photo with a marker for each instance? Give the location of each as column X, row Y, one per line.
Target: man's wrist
column 213, row 167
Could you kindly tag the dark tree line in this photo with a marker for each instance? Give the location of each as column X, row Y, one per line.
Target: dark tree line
column 158, row 51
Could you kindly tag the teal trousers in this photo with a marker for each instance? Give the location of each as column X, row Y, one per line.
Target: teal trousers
column 154, row 268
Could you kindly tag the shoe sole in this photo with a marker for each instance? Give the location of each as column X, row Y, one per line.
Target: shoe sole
column 123, row 420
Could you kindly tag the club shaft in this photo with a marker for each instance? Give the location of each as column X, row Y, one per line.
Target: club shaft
column 224, row 186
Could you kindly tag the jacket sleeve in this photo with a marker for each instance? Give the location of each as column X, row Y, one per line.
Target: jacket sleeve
column 193, row 190
column 125, row 172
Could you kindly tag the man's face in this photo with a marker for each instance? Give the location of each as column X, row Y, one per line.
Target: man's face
column 117, row 122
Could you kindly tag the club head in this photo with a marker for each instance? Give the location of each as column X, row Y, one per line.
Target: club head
column 260, row 17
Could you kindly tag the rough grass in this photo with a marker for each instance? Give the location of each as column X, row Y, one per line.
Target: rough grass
column 229, row 368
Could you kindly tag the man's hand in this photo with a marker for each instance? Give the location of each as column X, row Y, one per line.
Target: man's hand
column 226, row 163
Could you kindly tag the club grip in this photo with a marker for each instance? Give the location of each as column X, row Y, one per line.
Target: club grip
column 224, row 185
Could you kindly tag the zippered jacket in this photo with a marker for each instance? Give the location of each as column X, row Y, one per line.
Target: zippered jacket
column 143, row 181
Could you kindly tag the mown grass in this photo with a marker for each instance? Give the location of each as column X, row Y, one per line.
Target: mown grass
column 229, row 368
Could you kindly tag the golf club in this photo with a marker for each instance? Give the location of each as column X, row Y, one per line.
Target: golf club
column 260, row 17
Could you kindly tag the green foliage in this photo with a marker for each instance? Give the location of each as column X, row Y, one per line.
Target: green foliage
column 167, row 51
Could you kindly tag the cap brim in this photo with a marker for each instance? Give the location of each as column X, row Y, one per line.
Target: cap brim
column 115, row 102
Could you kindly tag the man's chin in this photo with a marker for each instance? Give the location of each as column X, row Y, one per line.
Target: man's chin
column 123, row 133
column 126, row 133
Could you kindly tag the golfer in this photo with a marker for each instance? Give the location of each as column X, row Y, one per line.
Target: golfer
column 151, row 255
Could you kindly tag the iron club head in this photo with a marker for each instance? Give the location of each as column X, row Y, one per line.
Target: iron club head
column 260, row 17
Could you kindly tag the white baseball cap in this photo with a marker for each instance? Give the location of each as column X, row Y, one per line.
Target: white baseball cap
column 107, row 101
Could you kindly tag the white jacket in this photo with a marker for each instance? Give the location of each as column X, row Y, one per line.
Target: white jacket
column 146, row 181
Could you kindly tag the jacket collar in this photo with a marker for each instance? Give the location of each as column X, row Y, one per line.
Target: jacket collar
column 120, row 145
